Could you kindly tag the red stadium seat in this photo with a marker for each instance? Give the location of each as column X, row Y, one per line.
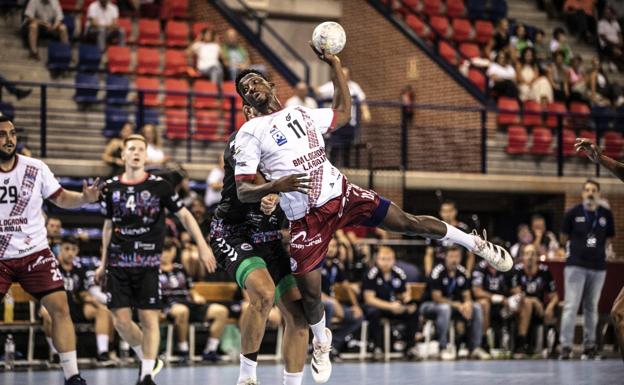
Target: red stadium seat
column 200, row 26
column 448, row 52
column 229, row 89
column 455, row 8
column 462, row 30
column 508, row 106
column 150, row 99
column 470, row 50
column 148, row 61
column 175, row 99
column 177, row 34
column 125, row 24
column 553, row 109
column 118, row 59
column 175, row 62
column 532, row 115
column 432, row 7
column 209, row 127
column 613, row 144
column 542, row 141
column 175, row 9
column 440, row 24
column 477, row 77
column 176, row 122
column 149, row 32
column 417, row 25
column 412, row 4
column 69, row 5
column 484, row 31
column 517, row 139
column 568, row 142
column 579, row 115
column 202, row 102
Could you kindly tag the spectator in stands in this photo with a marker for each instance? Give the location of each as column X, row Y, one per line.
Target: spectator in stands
column 527, row 73
column 520, row 40
column 350, row 316
column 385, row 295
column 54, row 228
column 580, row 17
column 557, row 75
column 448, row 297
column 235, row 56
column 545, row 241
column 601, row 90
column 207, row 53
column 46, row 17
column 301, row 97
column 341, row 140
column 542, row 51
column 436, row 249
column 500, row 41
column 112, row 152
column 86, row 305
column 156, row 157
column 102, row 16
column 524, row 236
column 198, row 209
column 214, row 185
column 19, row 93
column 534, row 283
column 576, row 80
column 502, row 76
column 610, row 38
column 184, row 306
column 587, row 232
column 559, row 43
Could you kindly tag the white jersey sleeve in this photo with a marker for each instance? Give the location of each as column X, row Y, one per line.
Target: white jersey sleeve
column 50, row 187
column 323, row 118
column 246, row 153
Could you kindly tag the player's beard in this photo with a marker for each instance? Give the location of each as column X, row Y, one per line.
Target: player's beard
column 6, row 156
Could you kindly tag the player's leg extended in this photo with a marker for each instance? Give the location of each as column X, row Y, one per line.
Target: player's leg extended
column 295, row 343
column 617, row 314
column 151, row 339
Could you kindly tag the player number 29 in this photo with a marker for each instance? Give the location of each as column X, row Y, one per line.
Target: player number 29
column 8, row 194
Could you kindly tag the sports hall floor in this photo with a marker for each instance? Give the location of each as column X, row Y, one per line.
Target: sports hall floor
column 540, row 372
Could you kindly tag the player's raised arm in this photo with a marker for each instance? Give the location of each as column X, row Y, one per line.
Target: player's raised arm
column 594, row 153
column 71, row 200
column 205, row 253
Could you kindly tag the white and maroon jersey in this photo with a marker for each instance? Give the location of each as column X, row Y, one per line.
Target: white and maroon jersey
column 287, row 142
column 22, row 191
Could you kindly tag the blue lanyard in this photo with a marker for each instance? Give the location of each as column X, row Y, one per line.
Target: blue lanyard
column 593, row 227
column 452, row 285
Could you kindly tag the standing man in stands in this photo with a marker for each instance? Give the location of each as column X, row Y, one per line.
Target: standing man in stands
column 135, row 204
column 25, row 257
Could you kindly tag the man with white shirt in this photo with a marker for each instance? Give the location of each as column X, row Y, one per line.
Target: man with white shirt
column 301, row 97
column 207, row 54
column 46, row 17
column 102, row 16
column 214, row 185
column 25, row 256
column 610, row 34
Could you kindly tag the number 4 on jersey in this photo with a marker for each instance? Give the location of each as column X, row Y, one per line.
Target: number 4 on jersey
column 130, row 203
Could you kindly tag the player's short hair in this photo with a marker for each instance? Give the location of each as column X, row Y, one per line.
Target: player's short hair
column 387, row 249
column 537, row 216
column 449, row 202
column 70, row 239
column 51, row 217
column 135, row 137
column 240, row 77
column 452, row 248
column 4, row 118
column 592, row 181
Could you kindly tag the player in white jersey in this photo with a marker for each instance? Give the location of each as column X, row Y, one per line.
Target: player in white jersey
column 25, row 256
column 289, row 141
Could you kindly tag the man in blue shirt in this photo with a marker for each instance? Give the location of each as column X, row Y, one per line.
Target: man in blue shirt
column 587, row 231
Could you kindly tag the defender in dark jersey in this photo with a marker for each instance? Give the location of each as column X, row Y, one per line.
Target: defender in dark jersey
column 134, row 204
column 246, row 239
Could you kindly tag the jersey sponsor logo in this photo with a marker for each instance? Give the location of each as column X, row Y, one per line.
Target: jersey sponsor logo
column 42, row 260
column 301, row 234
column 579, row 219
column 133, row 231
column 116, row 196
column 246, row 247
column 315, row 240
column 26, row 250
column 311, row 160
column 278, row 136
column 144, row 246
column 145, row 194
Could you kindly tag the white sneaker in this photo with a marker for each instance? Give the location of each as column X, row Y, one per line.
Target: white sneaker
column 158, row 366
column 496, row 256
column 480, row 354
column 249, row 381
column 448, row 355
column 321, row 365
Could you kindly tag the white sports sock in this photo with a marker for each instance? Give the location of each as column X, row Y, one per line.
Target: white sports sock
column 138, row 350
column 69, row 363
column 293, row 378
column 211, row 345
column 457, row 236
column 52, row 348
column 146, row 368
column 183, row 346
column 318, row 330
column 102, row 343
column 247, row 369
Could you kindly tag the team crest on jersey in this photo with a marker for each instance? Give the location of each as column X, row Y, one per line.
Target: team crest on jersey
column 602, row 221
column 116, row 196
column 246, row 247
column 293, row 264
column 278, row 137
column 145, row 195
column 6, row 181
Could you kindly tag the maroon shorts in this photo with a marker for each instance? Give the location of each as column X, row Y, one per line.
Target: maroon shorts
column 310, row 235
column 37, row 273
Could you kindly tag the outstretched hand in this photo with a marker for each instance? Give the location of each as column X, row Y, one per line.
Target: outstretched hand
column 325, row 56
column 91, row 193
column 592, row 150
column 292, row 183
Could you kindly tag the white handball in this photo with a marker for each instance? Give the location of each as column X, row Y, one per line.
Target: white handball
column 330, row 37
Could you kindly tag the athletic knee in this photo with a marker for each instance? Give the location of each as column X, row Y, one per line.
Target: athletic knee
column 218, row 312
column 262, row 300
column 617, row 315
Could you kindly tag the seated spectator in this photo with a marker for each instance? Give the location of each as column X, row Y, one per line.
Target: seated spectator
column 112, row 152
column 502, row 76
column 542, row 51
column 207, row 53
column 86, row 301
column 533, row 282
column 559, row 43
column 448, row 297
column 385, row 296
column 301, row 97
column 350, row 316
column 54, row 229
column 183, row 306
column 500, row 41
column 558, row 77
column 214, row 185
column 235, row 56
column 610, row 38
column 19, row 93
column 545, row 241
column 198, row 210
column 526, row 73
column 601, row 90
column 102, row 16
column 580, row 17
column 519, row 41
column 576, row 80
column 524, row 236
column 45, row 17
column 156, row 157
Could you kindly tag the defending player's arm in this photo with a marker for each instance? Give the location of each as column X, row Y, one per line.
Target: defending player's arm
column 107, row 232
column 594, row 153
column 71, row 200
column 190, row 224
column 342, row 97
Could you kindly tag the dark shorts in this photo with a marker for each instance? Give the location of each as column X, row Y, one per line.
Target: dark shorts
column 197, row 311
column 76, row 311
column 136, row 287
column 310, row 235
column 37, row 273
column 238, row 257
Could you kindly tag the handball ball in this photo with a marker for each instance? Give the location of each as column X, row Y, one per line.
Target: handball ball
column 330, row 37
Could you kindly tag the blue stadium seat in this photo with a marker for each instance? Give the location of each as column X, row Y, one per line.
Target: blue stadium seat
column 150, row 116
column 498, row 9
column 87, row 95
column 117, row 96
column 476, row 9
column 89, row 57
column 115, row 119
column 7, row 110
column 59, row 56
column 602, row 116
